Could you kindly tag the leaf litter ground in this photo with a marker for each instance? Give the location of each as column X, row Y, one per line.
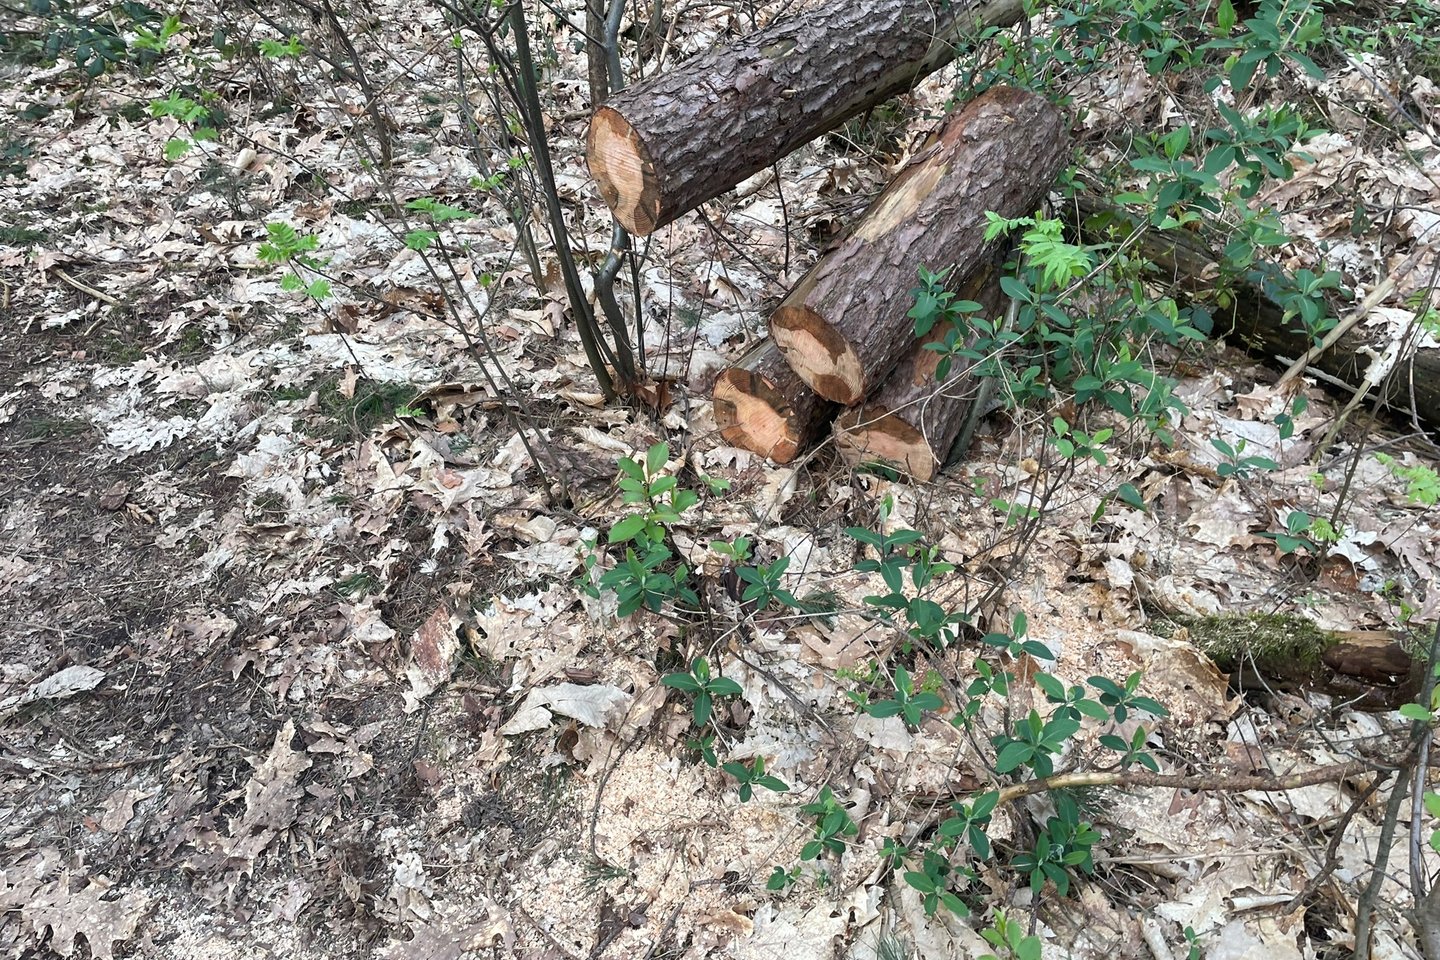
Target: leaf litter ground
column 292, row 659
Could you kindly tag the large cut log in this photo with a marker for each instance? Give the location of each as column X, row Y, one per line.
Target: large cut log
column 844, row 325
column 667, row 145
column 1258, row 323
column 763, row 406
column 913, row 420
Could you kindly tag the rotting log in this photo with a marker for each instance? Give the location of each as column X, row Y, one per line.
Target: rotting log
column 763, row 406
column 665, row 146
column 844, row 326
column 913, row 420
column 1255, row 321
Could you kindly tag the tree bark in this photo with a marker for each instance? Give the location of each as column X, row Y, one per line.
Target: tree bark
column 761, row 405
column 912, row 421
column 667, row 145
column 1258, row 323
column 844, row 325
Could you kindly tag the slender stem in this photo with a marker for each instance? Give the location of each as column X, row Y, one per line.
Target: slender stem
column 534, row 119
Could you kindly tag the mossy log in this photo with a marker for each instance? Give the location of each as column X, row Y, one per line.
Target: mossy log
column 1373, row 668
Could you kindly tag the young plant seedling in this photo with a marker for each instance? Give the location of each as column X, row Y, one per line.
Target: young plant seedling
column 754, row 776
column 705, row 688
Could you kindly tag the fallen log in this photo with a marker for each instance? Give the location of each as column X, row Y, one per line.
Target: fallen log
column 665, row 146
column 913, row 420
column 763, row 406
column 1258, row 323
column 844, row 325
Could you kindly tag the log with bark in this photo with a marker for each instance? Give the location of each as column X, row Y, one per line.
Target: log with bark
column 844, row 326
column 1258, row 323
column 912, row 422
column 667, row 145
column 763, row 406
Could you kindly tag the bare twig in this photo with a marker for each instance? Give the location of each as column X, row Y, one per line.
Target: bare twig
column 100, row 295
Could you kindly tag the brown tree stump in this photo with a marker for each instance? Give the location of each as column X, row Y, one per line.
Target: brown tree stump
column 844, row 325
column 761, row 405
column 667, row 145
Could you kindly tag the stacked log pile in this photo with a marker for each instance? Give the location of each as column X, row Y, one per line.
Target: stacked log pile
column 842, row 349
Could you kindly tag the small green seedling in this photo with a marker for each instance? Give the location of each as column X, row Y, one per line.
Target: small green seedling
column 782, row 878
column 705, row 688
column 1010, row 939
column 832, row 825
column 754, row 776
column 906, row 703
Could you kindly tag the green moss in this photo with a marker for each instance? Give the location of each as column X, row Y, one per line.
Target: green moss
column 341, row 418
column 20, row 236
column 113, row 350
column 1276, row 644
column 51, row 428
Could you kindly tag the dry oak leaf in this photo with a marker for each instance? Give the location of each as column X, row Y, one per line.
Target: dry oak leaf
column 102, row 923
column 272, row 797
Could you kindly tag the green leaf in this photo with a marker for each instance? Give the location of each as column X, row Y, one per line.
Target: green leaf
column 920, row 881
column 422, row 240
column 1012, row 755
column 1413, row 711
column 703, row 707
column 1225, row 17
column 175, row 149
column 680, row 681
column 724, row 687
column 883, row 709
column 656, row 458
column 627, row 529
column 927, row 701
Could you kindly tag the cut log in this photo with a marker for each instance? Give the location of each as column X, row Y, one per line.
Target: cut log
column 912, row 421
column 1258, row 323
column 763, row 406
column 667, row 145
column 844, row 326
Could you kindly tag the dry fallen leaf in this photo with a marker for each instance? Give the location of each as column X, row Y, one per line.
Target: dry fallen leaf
column 83, row 913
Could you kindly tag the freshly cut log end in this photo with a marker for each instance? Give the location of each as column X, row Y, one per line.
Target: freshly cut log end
column 763, row 407
column 624, row 171
column 914, row 421
column 818, row 353
column 846, row 324
column 872, row 434
column 690, row 133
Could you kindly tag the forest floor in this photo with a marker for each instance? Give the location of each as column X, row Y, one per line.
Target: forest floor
column 293, row 660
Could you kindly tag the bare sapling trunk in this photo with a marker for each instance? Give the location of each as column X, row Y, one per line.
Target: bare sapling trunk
column 844, row 326
column 665, row 146
column 761, row 405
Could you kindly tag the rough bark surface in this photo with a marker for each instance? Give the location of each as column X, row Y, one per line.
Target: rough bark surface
column 912, row 421
column 1258, row 323
column 667, row 145
column 844, row 325
column 761, row 405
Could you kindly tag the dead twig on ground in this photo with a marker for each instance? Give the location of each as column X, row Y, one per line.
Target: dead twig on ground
column 70, row 281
